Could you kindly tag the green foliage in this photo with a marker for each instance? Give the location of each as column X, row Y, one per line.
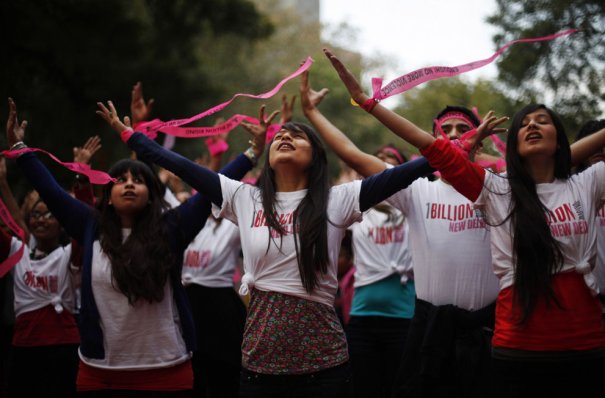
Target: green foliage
column 62, row 56
column 567, row 74
column 260, row 66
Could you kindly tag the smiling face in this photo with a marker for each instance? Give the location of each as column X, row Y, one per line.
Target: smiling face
column 290, row 147
column 42, row 224
column 129, row 194
column 537, row 135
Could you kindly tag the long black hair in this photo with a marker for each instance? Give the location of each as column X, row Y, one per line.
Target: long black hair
column 310, row 220
column 536, row 254
column 141, row 264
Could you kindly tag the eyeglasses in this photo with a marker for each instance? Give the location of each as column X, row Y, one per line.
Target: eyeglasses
column 37, row 214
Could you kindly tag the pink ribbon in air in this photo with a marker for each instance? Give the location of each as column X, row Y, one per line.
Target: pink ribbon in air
column 10, row 262
column 419, row 76
column 150, row 128
column 166, row 126
column 95, row 176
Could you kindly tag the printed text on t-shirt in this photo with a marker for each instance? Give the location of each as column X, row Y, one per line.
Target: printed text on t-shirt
column 462, row 217
column 567, row 220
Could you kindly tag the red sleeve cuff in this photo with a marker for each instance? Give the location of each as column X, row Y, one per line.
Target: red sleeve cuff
column 465, row 176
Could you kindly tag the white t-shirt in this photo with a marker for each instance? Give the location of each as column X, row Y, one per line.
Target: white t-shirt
column 271, row 264
column 48, row 281
column 450, row 247
column 135, row 337
column 572, row 205
column 599, row 271
column 171, row 198
column 211, row 259
column 380, row 247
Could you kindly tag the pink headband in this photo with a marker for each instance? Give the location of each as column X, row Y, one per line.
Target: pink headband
column 452, row 115
column 456, row 115
column 393, row 152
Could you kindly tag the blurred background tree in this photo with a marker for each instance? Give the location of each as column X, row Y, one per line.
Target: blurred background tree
column 567, row 74
column 62, row 56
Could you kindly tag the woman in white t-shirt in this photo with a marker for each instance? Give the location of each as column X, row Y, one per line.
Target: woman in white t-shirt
column 135, row 323
column 549, row 336
column 45, row 282
column 209, row 265
column 46, row 339
column 383, row 302
column 291, row 226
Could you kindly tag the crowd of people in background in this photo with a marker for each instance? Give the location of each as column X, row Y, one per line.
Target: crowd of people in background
column 467, row 271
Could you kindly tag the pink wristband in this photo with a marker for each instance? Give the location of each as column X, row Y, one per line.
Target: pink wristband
column 216, row 147
column 126, row 134
column 369, row 105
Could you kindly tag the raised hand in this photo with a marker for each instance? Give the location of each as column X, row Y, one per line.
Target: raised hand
column 347, row 78
column 83, row 154
column 310, row 98
column 259, row 131
column 15, row 131
column 287, row 109
column 487, row 127
column 109, row 114
column 139, row 109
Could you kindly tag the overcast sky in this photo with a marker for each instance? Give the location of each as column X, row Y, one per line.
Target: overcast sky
column 418, row 33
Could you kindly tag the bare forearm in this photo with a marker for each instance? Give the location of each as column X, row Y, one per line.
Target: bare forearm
column 363, row 163
column 587, row 146
column 402, row 127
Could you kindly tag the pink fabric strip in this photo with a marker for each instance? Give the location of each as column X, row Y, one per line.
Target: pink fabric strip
column 95, row 176
column 440, row 130
column 394, row 153
column 150, row 128
column 499, row 165
column 10, row 262
column 215, row 147
column 456, row 115
column 419, row 76
column 179, row 122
